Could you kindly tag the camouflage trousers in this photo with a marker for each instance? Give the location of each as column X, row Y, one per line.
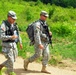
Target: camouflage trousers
column 10, row 51
column 38, row 53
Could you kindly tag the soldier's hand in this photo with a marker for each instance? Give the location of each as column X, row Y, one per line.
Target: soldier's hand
column 14, row 37
column 21, row 46
column 41, row 46
column 50, row 33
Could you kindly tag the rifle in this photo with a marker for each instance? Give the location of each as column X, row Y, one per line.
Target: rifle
column 48, row 35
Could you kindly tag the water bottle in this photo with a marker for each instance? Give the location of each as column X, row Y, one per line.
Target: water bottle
column 15, row 33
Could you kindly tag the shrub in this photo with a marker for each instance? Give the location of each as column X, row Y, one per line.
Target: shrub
column 29, row 15
column 62, row 29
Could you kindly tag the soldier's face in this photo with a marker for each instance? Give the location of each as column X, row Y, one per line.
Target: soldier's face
column 42, row 17
column 11, row 20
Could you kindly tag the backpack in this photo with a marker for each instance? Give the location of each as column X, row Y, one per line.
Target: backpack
column 30, row 32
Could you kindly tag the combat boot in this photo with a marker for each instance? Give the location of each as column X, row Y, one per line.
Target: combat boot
column 26, row 62
column 44, row 70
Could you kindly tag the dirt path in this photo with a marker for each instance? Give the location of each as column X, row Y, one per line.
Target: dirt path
column 34, row 68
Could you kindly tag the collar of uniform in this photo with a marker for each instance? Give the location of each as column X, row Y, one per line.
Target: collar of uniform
column 42, row 22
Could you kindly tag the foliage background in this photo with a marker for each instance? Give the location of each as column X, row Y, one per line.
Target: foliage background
column 61, row 21
column 63, row 3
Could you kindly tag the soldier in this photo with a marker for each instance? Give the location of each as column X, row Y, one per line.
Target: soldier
column 41, row 43
column 8, row 36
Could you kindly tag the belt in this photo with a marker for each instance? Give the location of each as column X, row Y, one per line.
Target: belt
column 44, row 39
column 6, row 46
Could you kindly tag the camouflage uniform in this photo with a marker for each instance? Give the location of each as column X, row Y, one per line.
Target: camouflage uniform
column 9, row 49
column 40, row 38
